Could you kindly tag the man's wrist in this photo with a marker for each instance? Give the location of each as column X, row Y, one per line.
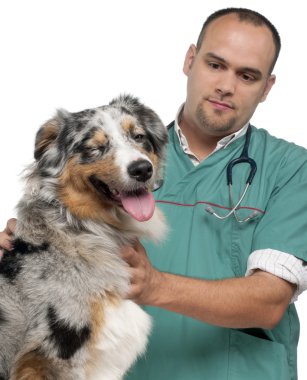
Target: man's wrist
column 157, row 288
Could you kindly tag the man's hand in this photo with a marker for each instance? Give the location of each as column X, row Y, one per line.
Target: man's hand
column 6, row 236
column 145, row 279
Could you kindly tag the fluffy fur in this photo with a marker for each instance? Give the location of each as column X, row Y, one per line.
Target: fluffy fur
column 62, row 310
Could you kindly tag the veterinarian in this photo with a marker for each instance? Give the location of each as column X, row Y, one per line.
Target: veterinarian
column 221, row 288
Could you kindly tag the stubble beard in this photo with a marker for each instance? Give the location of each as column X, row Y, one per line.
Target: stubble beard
column 219, row 127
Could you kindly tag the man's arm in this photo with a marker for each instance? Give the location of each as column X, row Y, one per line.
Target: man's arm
column 6, row 236
column 259, row 300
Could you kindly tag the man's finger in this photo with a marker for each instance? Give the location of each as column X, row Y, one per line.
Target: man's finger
column 130, row 255
column 10, row 226
column 5, row 242
column 133, row 293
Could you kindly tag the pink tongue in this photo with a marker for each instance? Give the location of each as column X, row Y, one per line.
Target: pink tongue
column 141, row 206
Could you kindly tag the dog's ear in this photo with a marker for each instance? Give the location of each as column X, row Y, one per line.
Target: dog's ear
column 45, row 136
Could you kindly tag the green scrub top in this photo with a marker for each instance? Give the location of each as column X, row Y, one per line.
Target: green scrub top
column 202, row 246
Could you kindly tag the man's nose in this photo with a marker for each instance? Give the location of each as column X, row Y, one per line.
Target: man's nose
column 226, row 84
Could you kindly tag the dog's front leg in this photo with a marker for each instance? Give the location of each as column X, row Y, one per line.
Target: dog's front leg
column 33, row 366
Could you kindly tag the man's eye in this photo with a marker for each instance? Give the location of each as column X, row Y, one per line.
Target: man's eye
column 247, row 77
column 214, row 65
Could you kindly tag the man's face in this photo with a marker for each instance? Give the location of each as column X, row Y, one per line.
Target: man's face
column 229, row 76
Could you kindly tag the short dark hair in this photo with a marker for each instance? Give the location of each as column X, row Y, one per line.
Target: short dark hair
column 244, row 15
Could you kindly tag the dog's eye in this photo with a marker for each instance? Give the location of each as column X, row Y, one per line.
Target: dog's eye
column 103, row 148
column 139, row 138
column 92, row 150
column 95, row 151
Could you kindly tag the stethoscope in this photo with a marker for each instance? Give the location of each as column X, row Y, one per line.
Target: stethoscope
column 244, row 158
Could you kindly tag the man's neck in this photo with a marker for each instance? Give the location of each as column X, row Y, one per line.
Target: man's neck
column 201, row 144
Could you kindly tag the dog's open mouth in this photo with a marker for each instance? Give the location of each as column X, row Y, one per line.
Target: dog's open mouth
column 139, row 204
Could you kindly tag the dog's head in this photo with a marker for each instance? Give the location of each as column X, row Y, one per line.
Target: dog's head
column 103, row 161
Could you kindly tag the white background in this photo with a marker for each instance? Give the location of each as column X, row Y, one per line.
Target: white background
column 80, row 54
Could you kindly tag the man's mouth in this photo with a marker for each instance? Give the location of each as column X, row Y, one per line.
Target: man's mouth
column 221, row 105
column 139, row 203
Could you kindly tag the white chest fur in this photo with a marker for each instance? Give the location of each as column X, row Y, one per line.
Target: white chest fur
column 122, row 339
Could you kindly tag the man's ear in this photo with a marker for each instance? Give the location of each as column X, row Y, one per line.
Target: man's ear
column 269, row 84
column 189, row 59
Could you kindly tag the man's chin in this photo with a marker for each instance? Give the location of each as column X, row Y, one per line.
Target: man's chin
column 219, row 129
column 217, row 124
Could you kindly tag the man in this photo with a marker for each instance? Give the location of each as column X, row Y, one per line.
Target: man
column 210, row 321
column 221, row 292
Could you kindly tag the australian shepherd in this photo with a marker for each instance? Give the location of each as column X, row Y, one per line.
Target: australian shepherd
column 63, row 313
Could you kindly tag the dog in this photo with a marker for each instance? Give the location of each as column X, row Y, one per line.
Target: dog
column 63, row 312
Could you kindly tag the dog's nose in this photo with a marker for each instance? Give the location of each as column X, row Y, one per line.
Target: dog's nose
column 141, row 170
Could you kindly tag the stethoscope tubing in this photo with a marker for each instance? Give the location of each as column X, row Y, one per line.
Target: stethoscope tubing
column 244, row 158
